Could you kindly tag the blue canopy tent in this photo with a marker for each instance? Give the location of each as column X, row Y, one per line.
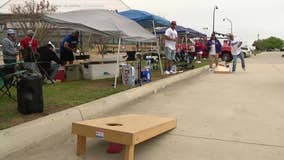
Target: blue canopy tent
column 145, row 19
column 182, row 30
column 149, row 21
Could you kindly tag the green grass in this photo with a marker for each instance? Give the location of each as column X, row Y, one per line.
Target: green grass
column 58, row 97
column 65, row 95
column 204, row 63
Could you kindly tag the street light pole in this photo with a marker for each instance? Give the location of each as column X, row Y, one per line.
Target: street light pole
column 224, row 19
column 215, row 7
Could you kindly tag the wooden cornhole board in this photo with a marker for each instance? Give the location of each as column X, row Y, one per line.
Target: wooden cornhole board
column 222, row 69
column 128, row 130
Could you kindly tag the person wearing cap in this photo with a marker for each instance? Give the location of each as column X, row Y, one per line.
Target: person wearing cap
column 46, row 57
column 171, row 38
column 68, row 46
column 236, row 52
column 214, row 48
column 28, row 47
column 9, row 48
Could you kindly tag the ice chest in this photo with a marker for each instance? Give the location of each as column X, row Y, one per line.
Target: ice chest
column 60, row 75
column 99, row 70
column 73, row 72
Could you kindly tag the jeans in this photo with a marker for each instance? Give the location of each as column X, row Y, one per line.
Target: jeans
column 235, row 57
column 53, row 70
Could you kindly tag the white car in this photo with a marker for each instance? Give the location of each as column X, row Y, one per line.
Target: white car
column 246, row 51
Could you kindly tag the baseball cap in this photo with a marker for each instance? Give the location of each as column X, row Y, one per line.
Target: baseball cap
column 30, row 32
column 51, row 44
column 11, row 31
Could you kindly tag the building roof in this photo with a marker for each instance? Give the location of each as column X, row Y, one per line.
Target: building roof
column 71, row 5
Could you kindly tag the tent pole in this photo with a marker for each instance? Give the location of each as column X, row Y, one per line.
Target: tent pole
column 186, row 39
column 158, row 45
column 117, row 63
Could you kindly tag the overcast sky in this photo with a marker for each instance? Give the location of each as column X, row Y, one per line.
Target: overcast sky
column 249, row 17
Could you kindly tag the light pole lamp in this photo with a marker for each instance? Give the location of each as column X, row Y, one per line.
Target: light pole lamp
column 224, row 19
column 215, row 7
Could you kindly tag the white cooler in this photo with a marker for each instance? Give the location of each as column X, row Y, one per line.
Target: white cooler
column 95, row 70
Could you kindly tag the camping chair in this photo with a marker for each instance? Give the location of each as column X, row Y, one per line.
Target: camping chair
column 6, row 83
column 9, row 77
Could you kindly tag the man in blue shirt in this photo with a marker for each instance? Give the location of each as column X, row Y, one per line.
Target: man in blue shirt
column 68, row 46
column 214, row 48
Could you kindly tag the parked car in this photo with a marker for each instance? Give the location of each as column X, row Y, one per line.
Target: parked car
column 226, row 54
column 246, row 51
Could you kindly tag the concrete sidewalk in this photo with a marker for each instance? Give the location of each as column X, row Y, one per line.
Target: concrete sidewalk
column 220, row 117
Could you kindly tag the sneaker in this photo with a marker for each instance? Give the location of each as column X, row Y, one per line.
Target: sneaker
column 210, row 69
column 47, row 82
column 167, row 73
column 198, row 62
column 173, row 72
column 53, row 81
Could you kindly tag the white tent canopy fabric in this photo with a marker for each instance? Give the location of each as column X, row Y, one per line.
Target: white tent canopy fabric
column 71, row 5
column 105, row 21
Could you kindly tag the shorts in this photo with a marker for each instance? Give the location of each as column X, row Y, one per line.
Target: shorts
column 200, row 52
column 170, row 54
column 66, row 56
column 214, row 55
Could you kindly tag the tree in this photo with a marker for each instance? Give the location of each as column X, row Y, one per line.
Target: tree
column 28, row 16
column 269, row 43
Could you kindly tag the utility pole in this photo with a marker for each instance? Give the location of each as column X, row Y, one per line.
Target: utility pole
column 215, row 7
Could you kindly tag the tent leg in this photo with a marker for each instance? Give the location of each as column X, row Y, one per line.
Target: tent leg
column 160, row 60
column 117, row 63
column 158, row 44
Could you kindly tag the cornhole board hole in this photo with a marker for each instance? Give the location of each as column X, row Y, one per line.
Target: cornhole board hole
column 128, row 130
column 222, row 69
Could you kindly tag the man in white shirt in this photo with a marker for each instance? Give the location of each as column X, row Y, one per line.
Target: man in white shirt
column 237, row 52
column 171, row 38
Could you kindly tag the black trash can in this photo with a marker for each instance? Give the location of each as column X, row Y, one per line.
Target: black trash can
column 29, row 94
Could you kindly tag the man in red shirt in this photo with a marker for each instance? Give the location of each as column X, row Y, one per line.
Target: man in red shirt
column 29, row 47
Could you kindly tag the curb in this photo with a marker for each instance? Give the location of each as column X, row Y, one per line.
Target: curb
column 55, row 128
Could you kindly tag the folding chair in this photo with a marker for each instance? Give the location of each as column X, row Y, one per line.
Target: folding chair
column 6, row 83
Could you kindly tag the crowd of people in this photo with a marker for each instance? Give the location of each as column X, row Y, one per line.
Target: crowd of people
column 48, row 61
column 213, row 46
column 44, row 56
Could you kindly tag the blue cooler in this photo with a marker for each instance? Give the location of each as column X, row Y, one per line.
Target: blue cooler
column 147, row 75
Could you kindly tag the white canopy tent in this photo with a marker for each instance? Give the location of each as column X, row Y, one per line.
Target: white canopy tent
column 112, row 24
column 70, row 5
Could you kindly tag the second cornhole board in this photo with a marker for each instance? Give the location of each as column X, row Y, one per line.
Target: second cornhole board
column 222, row 69
column 128, row 130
